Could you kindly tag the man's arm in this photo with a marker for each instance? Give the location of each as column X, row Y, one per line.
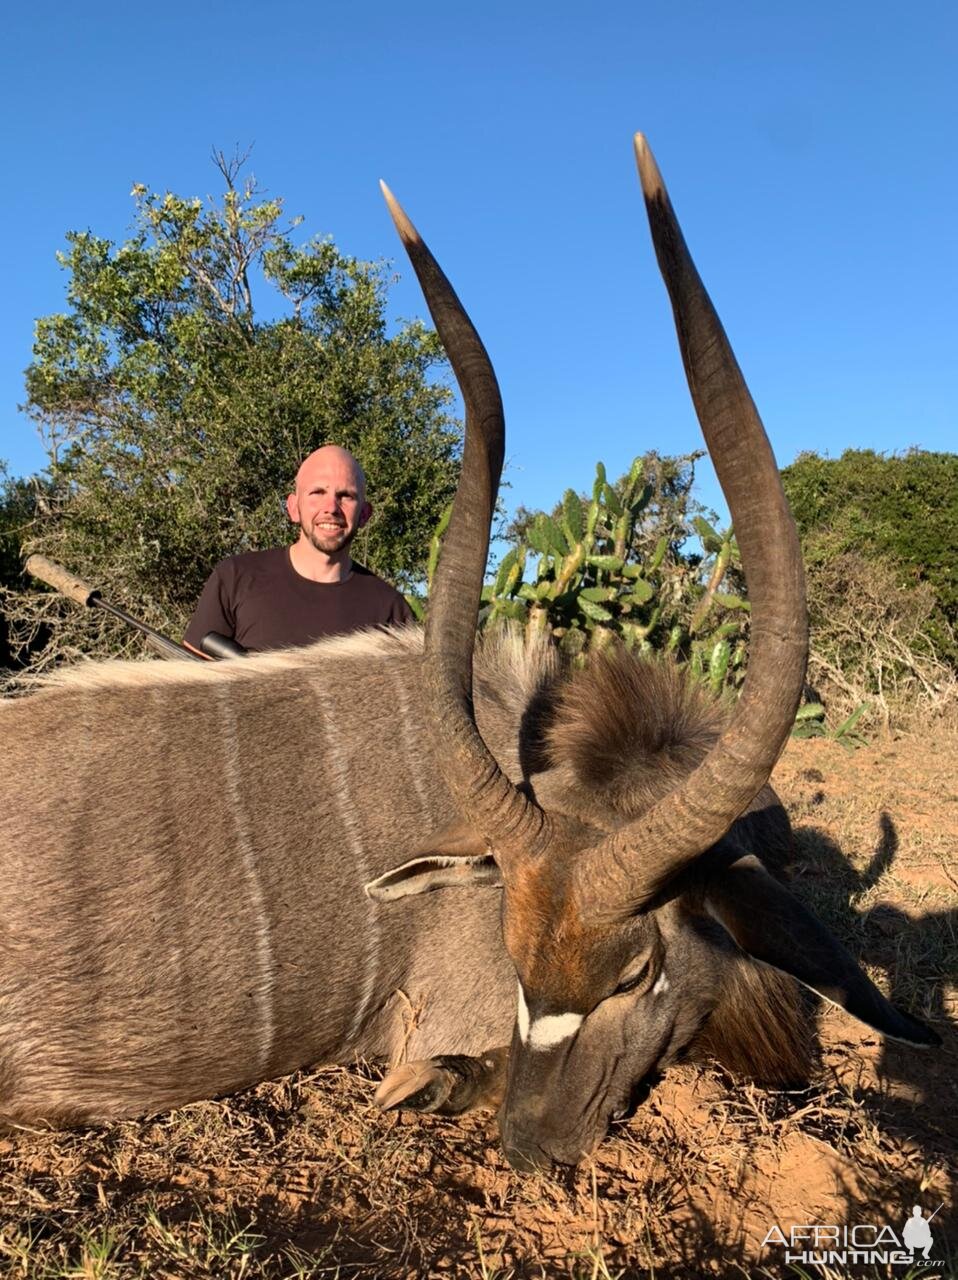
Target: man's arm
column 400, row 615
column 214, row 612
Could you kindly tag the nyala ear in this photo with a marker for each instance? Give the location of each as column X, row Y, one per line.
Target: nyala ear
column 770, row 924
column 455, row 857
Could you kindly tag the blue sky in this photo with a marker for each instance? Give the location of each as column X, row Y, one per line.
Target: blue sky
column 809, row 150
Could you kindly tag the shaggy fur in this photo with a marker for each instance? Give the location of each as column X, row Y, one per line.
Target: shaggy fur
column 761, row 1028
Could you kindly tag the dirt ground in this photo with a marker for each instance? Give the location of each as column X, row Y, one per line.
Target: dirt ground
column 302, row 1177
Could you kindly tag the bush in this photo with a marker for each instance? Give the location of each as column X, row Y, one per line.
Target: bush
column 901, row 511
column 873, row 641
column 18, row 509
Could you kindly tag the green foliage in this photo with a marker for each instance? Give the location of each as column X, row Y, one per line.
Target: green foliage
column 668, row 512
column 613, row 565
column 176, row 413
column 902, row 510
column 810, row 722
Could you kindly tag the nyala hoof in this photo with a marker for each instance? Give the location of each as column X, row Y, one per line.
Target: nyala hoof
column 416, row 1086
column 450, row 1084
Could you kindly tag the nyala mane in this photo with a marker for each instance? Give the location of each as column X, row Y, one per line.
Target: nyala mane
column 630, row 729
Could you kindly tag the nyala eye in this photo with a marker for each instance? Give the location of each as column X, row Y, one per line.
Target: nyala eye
column 636, row 978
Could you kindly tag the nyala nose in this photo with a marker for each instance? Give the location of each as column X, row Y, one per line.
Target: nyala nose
column 527, row 1159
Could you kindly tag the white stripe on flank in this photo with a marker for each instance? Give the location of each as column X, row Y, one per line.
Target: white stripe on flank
column 346, row 810
column 405, row 720
column 547, row 1032
column 522, row 1016
column 263, row 990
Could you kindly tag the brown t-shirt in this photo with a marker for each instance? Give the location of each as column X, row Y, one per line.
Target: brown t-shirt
column 259, row 600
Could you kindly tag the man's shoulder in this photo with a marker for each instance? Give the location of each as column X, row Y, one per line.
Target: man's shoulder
column 368, row 582
column 377, row 594
column 255, row 563
column 370, row 585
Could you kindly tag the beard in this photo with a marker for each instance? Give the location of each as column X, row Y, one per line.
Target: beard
column 330, row 541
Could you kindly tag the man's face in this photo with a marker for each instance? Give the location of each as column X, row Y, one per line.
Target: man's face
column 329, row 504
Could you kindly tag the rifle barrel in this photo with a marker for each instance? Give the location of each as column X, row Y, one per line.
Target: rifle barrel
column 75, row 588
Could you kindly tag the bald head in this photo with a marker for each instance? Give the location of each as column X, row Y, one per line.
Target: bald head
column 326, row 457
column 329, row 501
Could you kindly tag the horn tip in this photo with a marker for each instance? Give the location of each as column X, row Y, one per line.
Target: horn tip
column 388, row 196
column 407, row 231
column 651, row 179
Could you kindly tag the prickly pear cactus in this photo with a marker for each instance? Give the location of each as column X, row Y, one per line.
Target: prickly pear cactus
column 578, row 575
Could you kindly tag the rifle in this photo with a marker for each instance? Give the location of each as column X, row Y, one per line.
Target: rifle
column 54, row 575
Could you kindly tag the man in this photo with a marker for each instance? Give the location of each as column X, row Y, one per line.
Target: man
column 917, row 1233
column 294, row 595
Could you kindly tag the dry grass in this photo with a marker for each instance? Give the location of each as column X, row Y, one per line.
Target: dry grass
column 301, row 1177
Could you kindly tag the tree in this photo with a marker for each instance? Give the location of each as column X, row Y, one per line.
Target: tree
column 175, row 412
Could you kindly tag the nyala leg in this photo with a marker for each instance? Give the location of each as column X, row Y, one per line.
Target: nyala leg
column 448, row 1085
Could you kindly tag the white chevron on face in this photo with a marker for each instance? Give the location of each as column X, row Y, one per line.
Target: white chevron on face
column 548, row 1031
